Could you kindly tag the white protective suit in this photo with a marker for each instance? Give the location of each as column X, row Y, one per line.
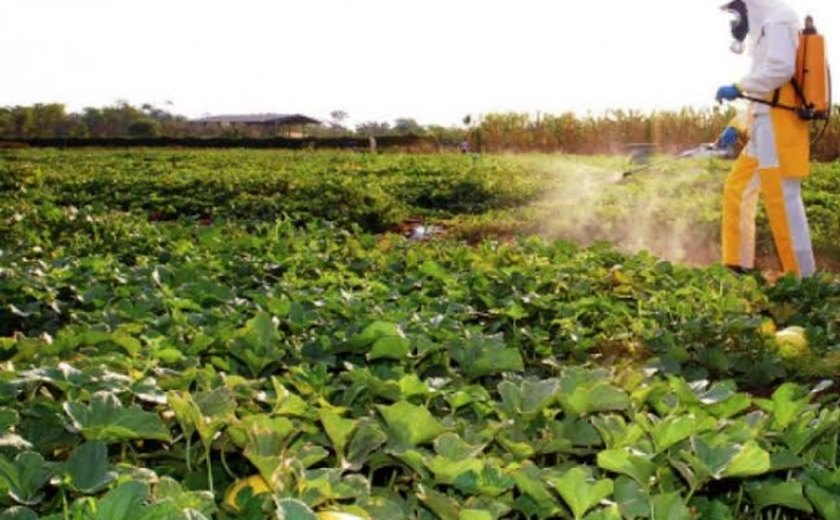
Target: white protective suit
column 776, row 157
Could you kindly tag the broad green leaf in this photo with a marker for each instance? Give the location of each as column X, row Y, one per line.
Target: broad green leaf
column 396, row 348
column 692, row 469
column 670, row 506
column 750, row 461
column 581, row 495
column 827, row 504
column 410, row 425
column 625, row 462
column 280, row 427
column 124, row 502
column 713, row 510
column 480, row 356
column 615, row 431
column 257, row 344
column 216, row 404
column 586, row 399
column 338, row 428
column 447, row 470
column 380, row 507
column 260, row 331
column 411, row 386
column 516, row 442
column 18, row 513
column 784, row 460
column 291, row 509
column 672, row 430
column 441, row 505
column 87, row 468
column 475, row 514
column 323, row 485
column 196, row 501
column 530, row 482
column 529, row 398
column 24, row 477
column 788, row 402
column 8, row 418
column 787, row 494
column 570, row 434
column 368, row 438
column 606, row 513
column 710, row 461
column 807, row 430
column 186, row 410
column 372, row 333
column 451, row 446
column 730, row 407
column 130, row 344
column 265, row 447
column 216, row 409
column 105, row 419
column 632, row 501
column 288, row 403
column 488, row 482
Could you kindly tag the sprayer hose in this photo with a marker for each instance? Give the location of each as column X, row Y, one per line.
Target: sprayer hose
column 827, row 122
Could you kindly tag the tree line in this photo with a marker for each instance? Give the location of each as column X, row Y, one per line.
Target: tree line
column 52, row 120
column 614, row 131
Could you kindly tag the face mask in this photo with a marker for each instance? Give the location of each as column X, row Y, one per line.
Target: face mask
column 739, row 24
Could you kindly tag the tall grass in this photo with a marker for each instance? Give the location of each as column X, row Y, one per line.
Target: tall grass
column 617, row 130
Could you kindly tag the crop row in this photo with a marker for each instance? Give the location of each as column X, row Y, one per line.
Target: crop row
column 149, row 365
column 375, row 192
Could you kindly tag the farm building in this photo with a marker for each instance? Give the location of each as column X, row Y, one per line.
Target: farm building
column 256, row 125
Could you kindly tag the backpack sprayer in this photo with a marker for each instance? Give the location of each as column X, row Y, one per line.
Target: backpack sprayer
column 811, row 81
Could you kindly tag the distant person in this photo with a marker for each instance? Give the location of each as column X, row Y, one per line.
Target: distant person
column 775, row 158
column 465, row 146
column 372, row 144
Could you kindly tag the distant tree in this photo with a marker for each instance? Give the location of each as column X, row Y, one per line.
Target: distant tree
column 169, row 124
column 48, row 120
column 76, row 127
column 373, row 128
column 446, row 136
column 7, row 123
column 94, row 121
column 144, row 128
column 407, row 126
column 23, row 122
column 339, row 116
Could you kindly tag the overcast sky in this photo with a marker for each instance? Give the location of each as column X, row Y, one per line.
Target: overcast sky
column 433, row 60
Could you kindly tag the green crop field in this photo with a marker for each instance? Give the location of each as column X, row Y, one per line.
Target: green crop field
column 560, row 344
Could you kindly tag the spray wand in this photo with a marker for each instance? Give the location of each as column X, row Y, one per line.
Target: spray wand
column 704, row 150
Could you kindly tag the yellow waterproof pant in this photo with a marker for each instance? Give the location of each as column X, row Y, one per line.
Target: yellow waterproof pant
column 785, row 211
column 774, row 162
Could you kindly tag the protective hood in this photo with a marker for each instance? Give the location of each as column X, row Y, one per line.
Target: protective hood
column 764, row 12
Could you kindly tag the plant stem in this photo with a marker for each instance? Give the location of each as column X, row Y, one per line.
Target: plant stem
column 740, row 498
column 209, row 472
column 187, row 458
column 64, row 504
column 225, row 466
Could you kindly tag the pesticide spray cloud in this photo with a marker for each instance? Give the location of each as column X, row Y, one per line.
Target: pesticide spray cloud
column 672, row 213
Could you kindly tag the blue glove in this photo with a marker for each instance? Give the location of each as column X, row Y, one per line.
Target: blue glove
column 729, row 93
column 728, row 139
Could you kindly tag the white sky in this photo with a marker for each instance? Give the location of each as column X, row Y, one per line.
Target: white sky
column 433, row 60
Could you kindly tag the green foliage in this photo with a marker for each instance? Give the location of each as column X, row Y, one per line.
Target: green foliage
column 146, row 366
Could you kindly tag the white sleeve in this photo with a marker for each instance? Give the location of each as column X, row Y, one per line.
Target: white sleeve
column 777, row 65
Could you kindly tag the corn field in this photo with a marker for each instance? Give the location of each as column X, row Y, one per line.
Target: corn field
column 618, row 130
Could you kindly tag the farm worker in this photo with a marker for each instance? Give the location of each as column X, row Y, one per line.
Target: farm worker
column 775, row 158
